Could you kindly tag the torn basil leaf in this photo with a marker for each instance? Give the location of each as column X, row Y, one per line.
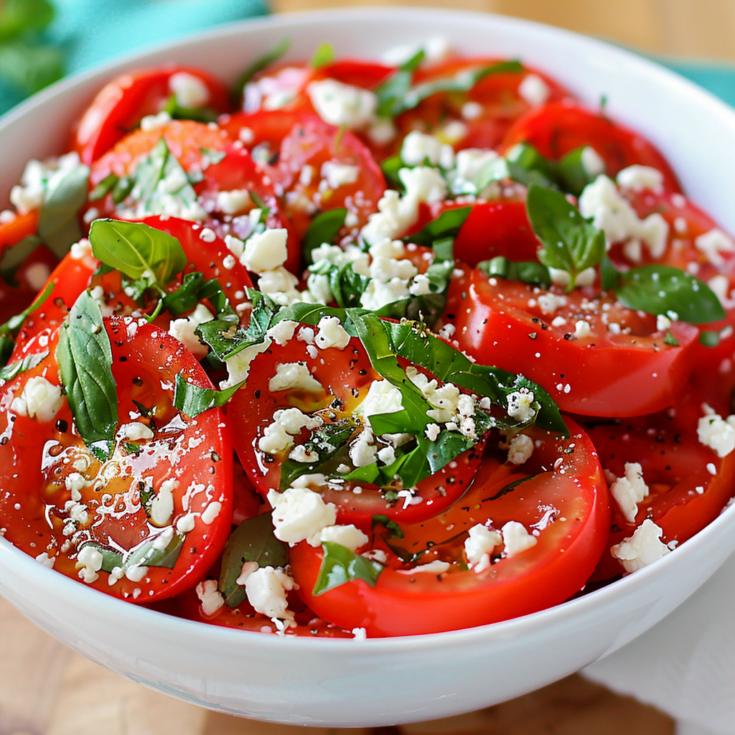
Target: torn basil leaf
column 392, row 92
column 253, row 540
column 144, row 555
column 197, row 114
column 394, row 530
column 104, row 187
column 447, row 224
column 138, row 251
column 340, row 565
column 529, row 272
column 58, row 221
column 84, row 356
column 13, row 257
column 323, row 55
column 20, row 366
column 572, row 172
column 192, row 400
column 570, row 242
column 323, row 229
column 261, row 63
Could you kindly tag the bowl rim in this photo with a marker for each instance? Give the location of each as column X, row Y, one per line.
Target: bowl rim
column 168, row 625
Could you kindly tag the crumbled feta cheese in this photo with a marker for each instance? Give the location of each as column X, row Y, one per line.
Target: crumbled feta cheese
column 209, row 596
column 232, row 202
column 642, row 548
column 469, row 166
column 331, row 334
column 134, row 431
column 713, row 243
column 287, row 423
column 46, row 560
column 186, row 524
column 266, row 250
column 382, row 131
column 282, row 332
column 562, row 278
column 534, row 90
column 363, row 451
column 153, row 122
column 183, row 330
column 75, row 483
column 302, row 454
column 630, row 490
column 520, row 449
column 300, row 514
column 293, row 376
column 453, row 132
column 211, row 512
column 432, row 432
column 238, row 366
column 582, row 329
column 550, row 302
column 638, row 178
column 423, row 184
column 266, row 590
column 717, row 433
column 350, row 537
column 394, row 216
column 338, row 174
column 190, row 91
column 479, row 546
column 419, row 149
column 378, row 294
column 342, row 104
column 89, row 562
column 516, row 538
column 420, row 286
column 162, row 506
column 592, row 161
column 520, row 405
column 39, row 400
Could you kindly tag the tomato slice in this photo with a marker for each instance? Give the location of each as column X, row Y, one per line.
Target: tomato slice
column 560, row 127
column 688, row 483
column 626, row 370
column 58, row 496
column 566, row 509
column 121, row 104
column 323, row 168
column 346, row 376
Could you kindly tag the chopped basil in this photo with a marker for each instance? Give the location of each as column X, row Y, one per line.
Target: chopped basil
column 138, row 251
column 252, row 540
column 13, row 257
column 197, row 114
column 523, row 163
column 709, row 339
column 340, row 565
column 572, row 172
column 392, row 92
column 261, row 63
column 529, row 272
column 570, row 242
column 391, row 166
column 323, row 229
column 447, row 224
column 670, row 340
column 104, row 187
column 20, row 366
column 144, row 555
column 84, row 356
column 213, row 156
column 394, row 530
column 122, row 189
column 192, row 290
column 58, row 221
column 192, row 400
column 324, row 55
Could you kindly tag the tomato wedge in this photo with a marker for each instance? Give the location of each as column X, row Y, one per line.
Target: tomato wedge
column 565, row 508
column 345, row 376
column 169, row 481
column 122, row 103
column 561, row 127
column 618, row 366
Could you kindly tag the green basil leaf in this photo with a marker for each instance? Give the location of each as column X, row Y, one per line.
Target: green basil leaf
column 137, row 250
column 394, row 530
column 14, row 256
column 18, row 17
column 197, row 114
column 20, row 366
column 340, row 565
column 570, row 242
column 192, row 400
column 11, row 327
column 323, row 229
column 323, row 56
column 391, row 166
column 447, row 224
column 529, row 272
column 146, row 554
column 709, row 339
column 84, row 356
column 263, row 62
column 29, row 65
column 252, row 540
column 572, row 172
column 58, row 221
column 194, row 289
column 670, row 340
column 609, row 274
column 462, row 82
column 122, row 189
column 392, row 92
column 659, row 289
column 104, row 187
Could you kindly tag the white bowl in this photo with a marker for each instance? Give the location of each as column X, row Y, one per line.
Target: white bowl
column 380, row 682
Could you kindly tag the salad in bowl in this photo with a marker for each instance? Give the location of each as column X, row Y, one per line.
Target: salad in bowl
column 371, row 346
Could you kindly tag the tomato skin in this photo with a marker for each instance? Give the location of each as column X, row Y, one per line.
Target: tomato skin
column 607, row 374
column 559, row 128
column 548, row 573
column 144, row 354
column 121, row 104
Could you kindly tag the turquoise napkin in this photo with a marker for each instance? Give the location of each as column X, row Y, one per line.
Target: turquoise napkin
column 93, row 31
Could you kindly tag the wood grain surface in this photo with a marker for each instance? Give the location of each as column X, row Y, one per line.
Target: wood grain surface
column 45, row 689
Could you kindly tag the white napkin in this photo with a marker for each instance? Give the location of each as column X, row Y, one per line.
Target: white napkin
column 685, row 665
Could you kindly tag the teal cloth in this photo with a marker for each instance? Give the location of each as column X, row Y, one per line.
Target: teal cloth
column 93, row 31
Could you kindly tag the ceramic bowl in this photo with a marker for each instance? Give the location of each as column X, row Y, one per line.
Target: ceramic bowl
column 379, row 682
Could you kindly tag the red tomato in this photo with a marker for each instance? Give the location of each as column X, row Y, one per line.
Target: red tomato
column 356, row 72
column 560, row 127
column 565, row 507
column 263, row 127
column 45, row 462
column 688, row 483
column 119, row 106
column 634, row 372
column 324, row 168
column 346, row 376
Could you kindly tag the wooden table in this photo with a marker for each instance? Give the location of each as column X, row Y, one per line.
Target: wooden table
column 45, row 689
